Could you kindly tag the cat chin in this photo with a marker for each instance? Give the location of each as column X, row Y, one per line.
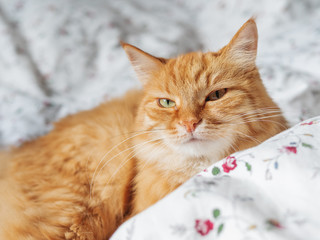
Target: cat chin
column 199, row 148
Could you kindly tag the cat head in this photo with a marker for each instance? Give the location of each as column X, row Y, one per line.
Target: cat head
column 205, row 104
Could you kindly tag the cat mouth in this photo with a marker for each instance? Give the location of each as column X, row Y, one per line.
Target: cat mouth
column 194, row 139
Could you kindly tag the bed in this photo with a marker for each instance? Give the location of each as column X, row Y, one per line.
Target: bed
column 60, row 57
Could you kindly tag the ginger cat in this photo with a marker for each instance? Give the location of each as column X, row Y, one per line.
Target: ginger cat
column 99, row 167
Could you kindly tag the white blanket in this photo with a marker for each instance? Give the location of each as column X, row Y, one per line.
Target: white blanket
column 58, row 57
column 271, row 192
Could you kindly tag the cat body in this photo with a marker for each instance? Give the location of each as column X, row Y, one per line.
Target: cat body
column 47, row 192
column 100, row 167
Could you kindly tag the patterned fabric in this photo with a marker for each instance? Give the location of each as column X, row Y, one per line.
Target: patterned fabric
column 271, row 191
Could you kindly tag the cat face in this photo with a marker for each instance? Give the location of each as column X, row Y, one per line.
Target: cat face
column 198, row 104
column 191, row 100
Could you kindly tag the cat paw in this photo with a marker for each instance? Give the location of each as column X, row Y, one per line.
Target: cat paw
column 79, row 233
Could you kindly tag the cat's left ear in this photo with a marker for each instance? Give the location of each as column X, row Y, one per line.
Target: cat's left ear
column 143, row 63
column 243, row 46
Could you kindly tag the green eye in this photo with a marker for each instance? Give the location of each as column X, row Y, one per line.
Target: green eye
column 215, row 95
column 166, row 103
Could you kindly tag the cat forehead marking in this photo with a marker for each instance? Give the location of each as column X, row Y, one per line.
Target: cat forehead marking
column 193, row 69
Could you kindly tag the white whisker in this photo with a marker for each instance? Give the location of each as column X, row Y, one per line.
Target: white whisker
column 162, row 146
column 103, row 157
column 132, row 147
column 124, row 162
column 258, row 120
column 250, row 137
column 251, row 115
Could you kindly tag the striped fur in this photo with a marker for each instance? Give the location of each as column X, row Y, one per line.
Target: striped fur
column 100, row 167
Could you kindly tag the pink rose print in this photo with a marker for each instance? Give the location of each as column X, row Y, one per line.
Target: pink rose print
column 307, row 123
column 204, row 226
column 230, row 164
column 290, row 149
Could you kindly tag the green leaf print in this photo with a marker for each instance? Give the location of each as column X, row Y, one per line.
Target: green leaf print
column 216, row 213
column 248, row 166
column 220, row 228
column 307, row 145
column 215, row 171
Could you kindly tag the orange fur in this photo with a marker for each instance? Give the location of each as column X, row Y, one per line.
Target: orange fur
column 99, row 167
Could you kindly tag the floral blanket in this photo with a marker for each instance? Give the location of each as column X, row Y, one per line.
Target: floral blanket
column 271, row 191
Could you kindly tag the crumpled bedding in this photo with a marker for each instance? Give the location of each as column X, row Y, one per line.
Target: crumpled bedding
column 59, row 57
column 271, row 191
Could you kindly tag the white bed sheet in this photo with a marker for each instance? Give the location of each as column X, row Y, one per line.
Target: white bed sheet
column 58, row 57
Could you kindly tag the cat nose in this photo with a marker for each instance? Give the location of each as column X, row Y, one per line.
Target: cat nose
column 190, row 125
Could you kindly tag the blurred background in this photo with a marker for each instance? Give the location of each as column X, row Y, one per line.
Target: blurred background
column 61, row 56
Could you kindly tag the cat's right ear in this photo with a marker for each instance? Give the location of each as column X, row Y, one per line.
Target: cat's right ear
column 143, row 63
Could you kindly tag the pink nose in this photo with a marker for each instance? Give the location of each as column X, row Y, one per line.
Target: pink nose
column 190, row 125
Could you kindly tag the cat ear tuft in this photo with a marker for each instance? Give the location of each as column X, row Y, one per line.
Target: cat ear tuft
column 143, row 63
column 243, row 46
